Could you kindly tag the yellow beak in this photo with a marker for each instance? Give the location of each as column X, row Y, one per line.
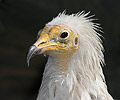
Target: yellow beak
column 42, row 45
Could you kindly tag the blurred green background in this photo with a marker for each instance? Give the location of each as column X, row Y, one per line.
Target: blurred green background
column 20, row 20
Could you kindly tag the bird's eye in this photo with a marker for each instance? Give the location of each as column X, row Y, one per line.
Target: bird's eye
column 64, row 35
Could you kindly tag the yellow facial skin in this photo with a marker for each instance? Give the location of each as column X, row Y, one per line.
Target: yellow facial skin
column 50, row 39
column 50, row 42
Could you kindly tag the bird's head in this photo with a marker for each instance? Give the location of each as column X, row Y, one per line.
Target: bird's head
column 67, row 34
column 55, row 40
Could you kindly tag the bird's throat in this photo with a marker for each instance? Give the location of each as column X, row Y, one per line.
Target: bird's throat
column 61, row 61
column 62, row 64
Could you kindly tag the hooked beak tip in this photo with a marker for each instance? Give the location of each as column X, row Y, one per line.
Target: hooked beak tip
column 31, row 53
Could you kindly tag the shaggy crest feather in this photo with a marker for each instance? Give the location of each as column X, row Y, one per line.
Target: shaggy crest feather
column 84, row 79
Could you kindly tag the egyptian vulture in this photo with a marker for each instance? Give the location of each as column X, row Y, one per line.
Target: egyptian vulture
column 74, row 67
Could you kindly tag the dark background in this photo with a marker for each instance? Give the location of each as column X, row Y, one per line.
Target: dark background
column 20, row 20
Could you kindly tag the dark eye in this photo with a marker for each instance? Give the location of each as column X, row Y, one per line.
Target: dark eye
column 64, row 35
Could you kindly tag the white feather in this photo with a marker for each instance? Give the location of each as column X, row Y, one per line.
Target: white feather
column 84, row 79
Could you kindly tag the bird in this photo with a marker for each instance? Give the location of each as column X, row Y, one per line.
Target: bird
column 75, row 58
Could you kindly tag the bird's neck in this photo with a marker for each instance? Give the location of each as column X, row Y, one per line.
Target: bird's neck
column 57, row 81
column 75, row 81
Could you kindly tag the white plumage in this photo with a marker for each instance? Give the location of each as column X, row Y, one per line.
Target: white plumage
column 83, row 79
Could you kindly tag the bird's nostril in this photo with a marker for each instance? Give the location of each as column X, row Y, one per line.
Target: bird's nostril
column 41, row 43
